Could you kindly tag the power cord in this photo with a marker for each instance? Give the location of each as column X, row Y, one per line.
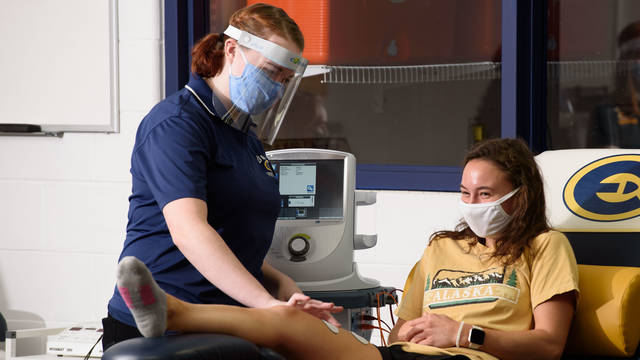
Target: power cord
column 86, row 357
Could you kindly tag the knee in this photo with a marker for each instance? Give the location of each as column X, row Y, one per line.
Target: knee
column 287, row 313
column 280, row 322
column 289, row 317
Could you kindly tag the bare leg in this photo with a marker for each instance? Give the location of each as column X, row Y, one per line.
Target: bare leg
column 291, row 332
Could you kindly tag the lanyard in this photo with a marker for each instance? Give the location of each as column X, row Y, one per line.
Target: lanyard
column 226, row 119
column 200, row 101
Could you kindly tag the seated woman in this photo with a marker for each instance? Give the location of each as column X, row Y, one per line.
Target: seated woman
column 504, row 285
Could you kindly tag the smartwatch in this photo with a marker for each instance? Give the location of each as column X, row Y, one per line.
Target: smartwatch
column 476, row 337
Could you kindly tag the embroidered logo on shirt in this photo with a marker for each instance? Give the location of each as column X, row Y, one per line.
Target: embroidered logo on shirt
column 455, row 287
column 263, row 161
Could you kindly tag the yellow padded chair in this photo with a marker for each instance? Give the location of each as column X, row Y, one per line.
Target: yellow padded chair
column 607, row 320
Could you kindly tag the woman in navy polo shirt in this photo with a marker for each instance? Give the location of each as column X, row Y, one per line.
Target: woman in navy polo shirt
column 204, row 200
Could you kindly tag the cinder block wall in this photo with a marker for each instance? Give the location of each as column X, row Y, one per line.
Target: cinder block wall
column 63, row 202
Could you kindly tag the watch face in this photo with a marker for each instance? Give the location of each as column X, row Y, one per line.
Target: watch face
column 476, row 336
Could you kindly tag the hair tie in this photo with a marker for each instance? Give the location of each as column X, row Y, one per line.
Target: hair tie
column 219, row 43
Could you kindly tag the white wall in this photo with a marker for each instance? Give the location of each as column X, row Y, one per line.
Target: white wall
column 63, row 202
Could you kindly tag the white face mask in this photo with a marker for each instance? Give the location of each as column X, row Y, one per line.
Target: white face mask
column 486, row 219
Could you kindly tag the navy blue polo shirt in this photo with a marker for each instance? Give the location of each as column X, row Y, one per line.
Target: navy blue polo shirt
column 182, row 151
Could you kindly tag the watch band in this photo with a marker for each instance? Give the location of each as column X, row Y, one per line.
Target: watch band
column 476, row 337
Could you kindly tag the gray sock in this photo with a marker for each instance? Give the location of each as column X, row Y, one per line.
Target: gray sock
column 143, row 296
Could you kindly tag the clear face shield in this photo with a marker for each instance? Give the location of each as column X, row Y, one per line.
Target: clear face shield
column 265, row 88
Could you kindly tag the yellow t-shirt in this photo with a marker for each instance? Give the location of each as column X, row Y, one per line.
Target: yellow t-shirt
column 464, row 283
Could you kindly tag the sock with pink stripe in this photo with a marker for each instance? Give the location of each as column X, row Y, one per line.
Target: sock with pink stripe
column 143, row 296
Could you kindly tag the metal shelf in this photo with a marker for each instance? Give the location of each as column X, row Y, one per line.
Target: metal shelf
column 406, row 74
column 567, row 70
column 562, row 70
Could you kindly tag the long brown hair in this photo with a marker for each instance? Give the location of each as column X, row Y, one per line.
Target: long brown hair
column 258, row 19
column 528, row 219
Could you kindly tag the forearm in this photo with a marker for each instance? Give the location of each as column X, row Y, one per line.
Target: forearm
column 552, row 321
column 278, row 284
column 545, row 342
column 523, row 345
column 399, row 331
column 393, row 336
column 208, row 252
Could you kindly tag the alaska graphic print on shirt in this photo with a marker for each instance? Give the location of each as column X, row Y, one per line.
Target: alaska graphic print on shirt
column 456, row 287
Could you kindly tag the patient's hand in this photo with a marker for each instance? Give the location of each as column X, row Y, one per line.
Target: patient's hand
column 433, row 330
column 317, row 308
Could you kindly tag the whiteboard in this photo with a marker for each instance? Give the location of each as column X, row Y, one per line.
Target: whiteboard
column 59, row 64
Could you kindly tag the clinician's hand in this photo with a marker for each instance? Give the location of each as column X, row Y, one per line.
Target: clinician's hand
column 433, row 330
column 317, row 308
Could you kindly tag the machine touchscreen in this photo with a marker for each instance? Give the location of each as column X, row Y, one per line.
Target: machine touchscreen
column 310, row 189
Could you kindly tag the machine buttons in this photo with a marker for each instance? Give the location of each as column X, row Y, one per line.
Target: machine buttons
column 299, row 247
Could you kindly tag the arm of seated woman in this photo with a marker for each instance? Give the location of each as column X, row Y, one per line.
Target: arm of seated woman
column 552, row 321
column 399, row 331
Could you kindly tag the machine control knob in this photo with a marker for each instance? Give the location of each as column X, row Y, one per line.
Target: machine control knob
column 299, row 247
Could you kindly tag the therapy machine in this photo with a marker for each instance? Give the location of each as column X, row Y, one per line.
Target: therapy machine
column 315, row 238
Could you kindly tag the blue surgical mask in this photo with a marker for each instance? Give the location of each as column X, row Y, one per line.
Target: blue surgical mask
column 253, row 91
